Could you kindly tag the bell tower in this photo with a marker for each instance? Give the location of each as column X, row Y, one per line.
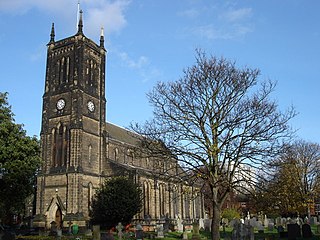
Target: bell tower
column 72, row 130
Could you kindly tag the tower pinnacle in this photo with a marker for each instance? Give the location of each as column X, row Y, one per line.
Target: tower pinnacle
column 102, row 37
column 80, row 24
column 52, row 34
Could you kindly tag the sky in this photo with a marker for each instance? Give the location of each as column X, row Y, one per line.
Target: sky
column 154, row 40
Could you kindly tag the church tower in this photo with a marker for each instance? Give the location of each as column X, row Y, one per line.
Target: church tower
column 73, row 118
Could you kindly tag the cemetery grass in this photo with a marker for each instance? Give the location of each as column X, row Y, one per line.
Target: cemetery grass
column 271, row 235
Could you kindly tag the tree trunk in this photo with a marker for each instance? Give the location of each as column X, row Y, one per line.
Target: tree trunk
column 215, row 224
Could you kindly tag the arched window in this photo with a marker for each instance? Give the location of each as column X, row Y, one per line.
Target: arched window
column 116, row 154
column 60, row 145
column 162, row 199
column 89, row 154
column 65, row 145
column 63, row 70
column 90, row 194
column 54, row 147
column 146, row 194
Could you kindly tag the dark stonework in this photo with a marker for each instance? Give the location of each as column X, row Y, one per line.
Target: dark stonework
column 80, row 149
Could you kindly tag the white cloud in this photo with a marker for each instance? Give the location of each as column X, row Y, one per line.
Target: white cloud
column 236, row 15
column 109, row 15
column 139, row 63
column 223, row 22
column 190, row 13
column 97, row 13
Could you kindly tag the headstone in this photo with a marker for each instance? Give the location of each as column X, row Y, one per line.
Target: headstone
column 139, row 232
column 235, row 235
column 59, row 233
column 278, row 221
column 179, row 225
column 306, row 231
column 195, row 231
column 166, row 224
column 270, row 226
column 207, row 225
column 201, row 223
column 53, row 229
column 247, row 222
column 280, row 229
column 232, row 223
column 253, row 222
column 185, row 235
column 260, row 227
column 160, row 231
column 96, row 232
column 70, row 227
column 119, row 228
column 299, row 221
column 293, row 231
column 313, row 221
column 251, row 233
column 266, row 221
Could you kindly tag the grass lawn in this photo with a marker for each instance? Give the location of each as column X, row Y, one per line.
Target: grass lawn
column 267, row 235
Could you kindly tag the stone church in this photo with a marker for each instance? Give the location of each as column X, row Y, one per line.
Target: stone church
column 80, row 149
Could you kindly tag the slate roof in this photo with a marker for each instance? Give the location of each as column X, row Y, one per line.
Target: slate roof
column 121, row 134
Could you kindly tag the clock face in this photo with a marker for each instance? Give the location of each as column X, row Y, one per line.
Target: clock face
column 61, row 104
column 90, row 106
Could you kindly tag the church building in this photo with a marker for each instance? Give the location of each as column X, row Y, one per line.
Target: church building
column 79, row 149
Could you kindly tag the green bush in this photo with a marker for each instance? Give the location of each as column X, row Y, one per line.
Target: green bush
column 230, row 213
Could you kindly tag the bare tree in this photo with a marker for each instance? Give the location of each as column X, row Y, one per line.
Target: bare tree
column 219, row 124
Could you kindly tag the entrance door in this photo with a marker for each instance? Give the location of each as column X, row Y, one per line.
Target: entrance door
column 58, row 218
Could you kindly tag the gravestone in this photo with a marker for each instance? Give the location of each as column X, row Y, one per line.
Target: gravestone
column 69, row 227
column 96, row 232
column 53, row 229
column 166, row 225
column 235, row 234
column 294, row 231
column 299, row 221
column 253, row 222
column 201, row 223
column 139, row 232
column 313, row 221
column 119, row 228
column 260, row 227
column 270, row 226
column 251, row 232
column 266, row 221
column 207, row 225
column 195, row 231
column 306, row 231
column 160, row 231
column 179, row 225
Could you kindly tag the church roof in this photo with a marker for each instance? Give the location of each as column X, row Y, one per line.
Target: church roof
column 121, row 134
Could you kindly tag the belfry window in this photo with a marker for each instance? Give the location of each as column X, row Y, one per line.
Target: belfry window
column 63, row 70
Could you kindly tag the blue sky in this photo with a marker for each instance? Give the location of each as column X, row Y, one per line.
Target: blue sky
column 150, row 41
